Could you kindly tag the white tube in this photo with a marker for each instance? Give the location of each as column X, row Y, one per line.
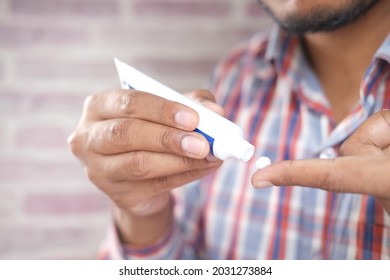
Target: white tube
column 225, row 137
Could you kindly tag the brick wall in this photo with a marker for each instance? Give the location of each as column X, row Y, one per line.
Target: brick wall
column 53, row 53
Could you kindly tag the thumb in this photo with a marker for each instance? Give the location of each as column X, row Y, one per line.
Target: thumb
column 207, row 99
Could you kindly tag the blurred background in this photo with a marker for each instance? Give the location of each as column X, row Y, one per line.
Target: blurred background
column 53, row 53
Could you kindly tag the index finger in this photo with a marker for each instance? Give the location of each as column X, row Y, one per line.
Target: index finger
column 140, row 105
column 349, row 174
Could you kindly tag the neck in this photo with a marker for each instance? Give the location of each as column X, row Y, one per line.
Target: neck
column 341, row 57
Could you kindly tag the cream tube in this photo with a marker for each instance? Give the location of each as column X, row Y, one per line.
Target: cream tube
column 225, row 137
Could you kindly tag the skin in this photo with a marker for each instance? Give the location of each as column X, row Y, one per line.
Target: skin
column 137, row 153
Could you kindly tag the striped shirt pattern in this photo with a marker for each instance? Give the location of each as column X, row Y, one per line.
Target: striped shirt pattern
column 267, row 87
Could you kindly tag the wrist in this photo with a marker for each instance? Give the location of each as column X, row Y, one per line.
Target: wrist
column 145, row 223
column 151, row 206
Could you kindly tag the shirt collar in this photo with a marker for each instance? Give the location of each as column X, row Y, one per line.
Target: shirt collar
column 384, row 50
column 284, row 52
column 278, row 44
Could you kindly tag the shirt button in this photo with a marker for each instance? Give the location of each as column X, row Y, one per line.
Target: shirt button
column 328, row 153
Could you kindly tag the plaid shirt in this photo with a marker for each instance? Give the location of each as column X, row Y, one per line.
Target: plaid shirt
column 267, row 87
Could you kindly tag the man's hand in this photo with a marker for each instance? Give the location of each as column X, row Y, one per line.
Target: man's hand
column 136, row 147
column 364, row 166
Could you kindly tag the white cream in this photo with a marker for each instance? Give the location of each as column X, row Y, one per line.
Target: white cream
column 262, row 162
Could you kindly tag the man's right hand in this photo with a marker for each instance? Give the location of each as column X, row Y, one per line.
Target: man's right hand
column 136, row 147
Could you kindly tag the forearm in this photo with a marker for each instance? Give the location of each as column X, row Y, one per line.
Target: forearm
column 142, row 230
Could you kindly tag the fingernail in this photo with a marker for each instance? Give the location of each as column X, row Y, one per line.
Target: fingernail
column 193, row 145
column 262, row 184
column 185, row 119
column 212, row 158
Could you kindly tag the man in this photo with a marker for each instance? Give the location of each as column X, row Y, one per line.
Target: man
column 298, row 92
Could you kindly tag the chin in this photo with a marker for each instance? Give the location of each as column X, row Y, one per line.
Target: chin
column 304, row 16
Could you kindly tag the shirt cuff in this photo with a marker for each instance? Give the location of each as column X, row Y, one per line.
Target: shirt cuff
column 169, row 246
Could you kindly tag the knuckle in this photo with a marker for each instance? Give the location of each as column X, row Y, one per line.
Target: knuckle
column 165, row 111
column 161, row 111
column 138, row 165
column 92, row 175
column 167, row 139
column 385, row 114
column 345, row 149
column 187, row 162
column 163, row 183
column 287, row 180
column 90, row 101
column 75, row 142
column 116, row 132
column 100, row 173
column 121, row 199
column 328, row 180
column 128, row 102
column 286, row 177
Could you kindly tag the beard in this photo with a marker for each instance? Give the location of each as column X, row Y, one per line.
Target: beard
column 322, row 19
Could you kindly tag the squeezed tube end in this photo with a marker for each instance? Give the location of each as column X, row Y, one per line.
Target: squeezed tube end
column 233, row 147
column 244, row 151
